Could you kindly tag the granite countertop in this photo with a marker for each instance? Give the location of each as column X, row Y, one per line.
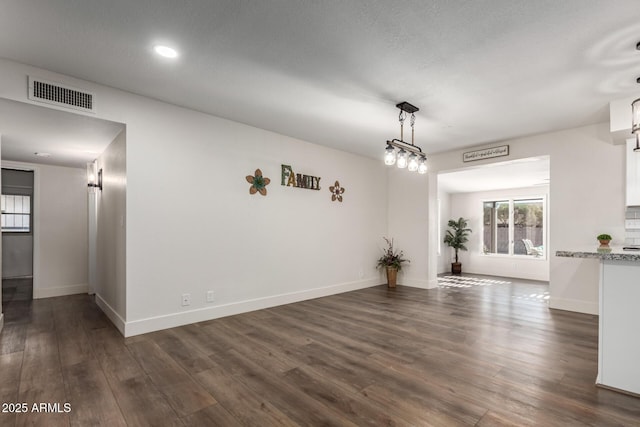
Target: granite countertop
column 613, row 253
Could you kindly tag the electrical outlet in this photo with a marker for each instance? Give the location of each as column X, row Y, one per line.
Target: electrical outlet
column 209, row 296
column 186, row 299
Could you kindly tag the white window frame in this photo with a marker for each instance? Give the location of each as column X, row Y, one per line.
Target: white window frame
column 512, row 200
column 14, row 213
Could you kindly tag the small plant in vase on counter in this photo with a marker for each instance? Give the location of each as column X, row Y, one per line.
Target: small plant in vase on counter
column 604, row 240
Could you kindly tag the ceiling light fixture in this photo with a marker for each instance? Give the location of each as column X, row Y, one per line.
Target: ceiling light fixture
column 41, row 154
column 409, row 156
column 635, row 122
column 165, row 51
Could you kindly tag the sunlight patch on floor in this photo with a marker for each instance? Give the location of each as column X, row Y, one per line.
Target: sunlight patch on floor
column 535, row 296
column 467, row 282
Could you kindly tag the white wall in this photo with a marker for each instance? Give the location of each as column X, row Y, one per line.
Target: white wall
column 408, row 214
column 444, row 252
column 60, row 229
column 192, row 225
column 586, row 198
column 110, row 286
column 469, row 206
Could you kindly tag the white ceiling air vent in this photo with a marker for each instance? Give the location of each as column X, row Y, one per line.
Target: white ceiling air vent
column 63, row 96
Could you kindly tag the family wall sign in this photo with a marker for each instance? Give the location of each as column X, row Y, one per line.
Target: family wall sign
column 291, row 179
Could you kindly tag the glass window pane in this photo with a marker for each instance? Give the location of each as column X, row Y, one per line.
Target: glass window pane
column 496, row 227
column 488, row 228
column 528, row 223
column 502, row 223
column 16, row 213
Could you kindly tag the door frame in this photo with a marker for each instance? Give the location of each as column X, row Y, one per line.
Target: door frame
column 35, row 214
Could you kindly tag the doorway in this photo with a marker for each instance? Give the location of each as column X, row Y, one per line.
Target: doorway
column 17, row 201
column 506, row 206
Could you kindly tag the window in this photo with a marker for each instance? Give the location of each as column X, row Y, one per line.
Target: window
column 16, row 213
column 514, row 227
column 496, row 227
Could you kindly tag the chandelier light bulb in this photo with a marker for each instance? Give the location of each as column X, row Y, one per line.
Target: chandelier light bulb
column 389, row 156
column 413, row 162
column 402, row 159
column 422, row 167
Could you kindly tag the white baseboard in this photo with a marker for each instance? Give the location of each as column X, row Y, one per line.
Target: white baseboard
column 419, row 283
column 578, row 306
column 61, row 291
column 143, row 326
column 113, row 315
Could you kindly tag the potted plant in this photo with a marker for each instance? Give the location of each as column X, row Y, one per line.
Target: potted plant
column 457, row 240
column 392, row 261
column 604, row 240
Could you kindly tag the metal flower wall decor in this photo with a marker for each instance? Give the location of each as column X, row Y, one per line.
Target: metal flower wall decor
column 258, row 183
column 336, row 192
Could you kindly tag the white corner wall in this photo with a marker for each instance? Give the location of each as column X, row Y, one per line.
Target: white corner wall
column 60, row 230
column 469, row 206
column 408, row 213
column 586, row 197
column 110, row 286
column 443, row 251
column 192, row 225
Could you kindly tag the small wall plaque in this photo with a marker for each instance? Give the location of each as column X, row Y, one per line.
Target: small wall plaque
column 487, row 153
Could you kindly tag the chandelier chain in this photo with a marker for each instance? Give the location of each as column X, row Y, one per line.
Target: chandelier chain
column 401, row 117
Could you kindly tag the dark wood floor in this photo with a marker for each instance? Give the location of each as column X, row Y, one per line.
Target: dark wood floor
column 14, row 290
column 471, row 353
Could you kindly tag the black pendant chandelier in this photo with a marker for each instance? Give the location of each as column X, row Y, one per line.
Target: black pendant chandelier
column 408, row 156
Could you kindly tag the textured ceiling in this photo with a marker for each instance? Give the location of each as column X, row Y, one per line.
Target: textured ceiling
column 331, row 72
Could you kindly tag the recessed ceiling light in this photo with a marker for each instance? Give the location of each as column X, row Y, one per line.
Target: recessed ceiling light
column 165, row 51
column 40, row 154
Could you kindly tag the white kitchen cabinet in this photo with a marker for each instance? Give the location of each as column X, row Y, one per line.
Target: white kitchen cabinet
column 633, row 174
column 619, row 316
column 619, row 346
